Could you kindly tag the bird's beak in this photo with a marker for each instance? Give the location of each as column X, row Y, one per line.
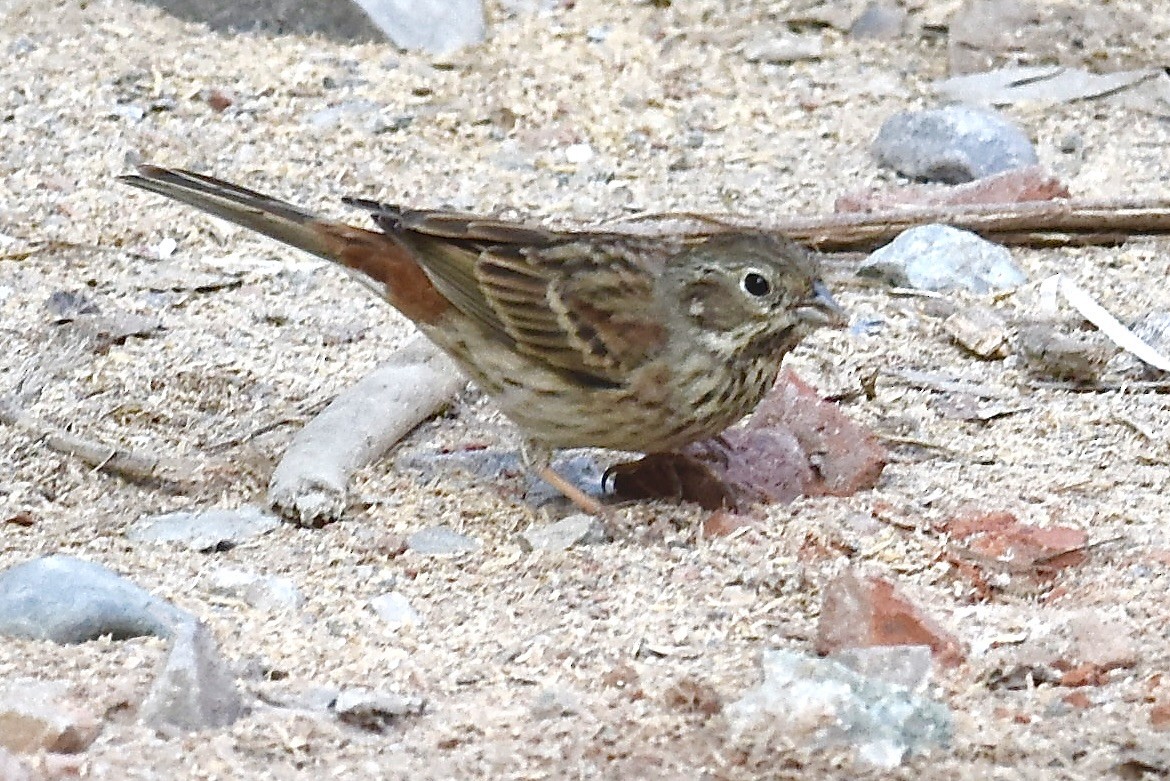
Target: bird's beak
column 822, row 309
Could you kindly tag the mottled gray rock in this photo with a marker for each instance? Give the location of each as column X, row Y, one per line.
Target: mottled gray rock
column 209, row 530
column 815, row 703
column 908, row 666
column 194, row 689
column 262, row 593
column 442, row 541
column 43, row 716
column 954, row 144
column 69, row 600
column 434, row 26
column 374, row 710
column 939, row 257
column 395, row 609
column 563, row 533
column 879, row 21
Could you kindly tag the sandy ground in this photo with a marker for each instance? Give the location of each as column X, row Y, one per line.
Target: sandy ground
column 678, row 120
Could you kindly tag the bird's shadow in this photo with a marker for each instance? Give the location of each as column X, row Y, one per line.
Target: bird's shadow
column 337, row 20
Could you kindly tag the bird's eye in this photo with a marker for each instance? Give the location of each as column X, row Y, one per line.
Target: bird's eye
column 756, row 284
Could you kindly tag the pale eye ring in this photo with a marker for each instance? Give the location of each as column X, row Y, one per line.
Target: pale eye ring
column 756, row 284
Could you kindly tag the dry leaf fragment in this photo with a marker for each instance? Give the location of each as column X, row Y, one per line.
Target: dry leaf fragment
column 980, row 331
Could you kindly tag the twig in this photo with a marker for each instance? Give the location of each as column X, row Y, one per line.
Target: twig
column 131, row 465
column 1035, row 223
column 36, row 246
column 936, row 382
column 1061, row 222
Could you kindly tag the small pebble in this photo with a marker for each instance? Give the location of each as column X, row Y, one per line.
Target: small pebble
column 555, row 702
column 373, row 710
column 939, row 257
column 211, row 530
column 395, row 609
column 578, row 153
column 442, row 541
column 979, row 330
column 879, row 21
column 262, row 593
column 783, row 50
column 1048, row 351
column 562, row 534
column 816, row 703
column 953, row 145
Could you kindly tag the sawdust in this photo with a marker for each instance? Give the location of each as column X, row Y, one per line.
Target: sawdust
column 676, row 119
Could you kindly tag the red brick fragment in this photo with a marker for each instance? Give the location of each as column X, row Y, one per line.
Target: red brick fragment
column 866, row 611
column 1000, row 538
column 1031, row 183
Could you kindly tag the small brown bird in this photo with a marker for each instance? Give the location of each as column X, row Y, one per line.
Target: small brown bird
column 584, row 339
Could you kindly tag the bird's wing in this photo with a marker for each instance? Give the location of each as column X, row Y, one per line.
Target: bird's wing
column 585, row 304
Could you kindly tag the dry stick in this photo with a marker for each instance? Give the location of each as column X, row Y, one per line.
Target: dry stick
column 309, row 486
column 1058, row 222
column 1037, row 223
column 129, row 464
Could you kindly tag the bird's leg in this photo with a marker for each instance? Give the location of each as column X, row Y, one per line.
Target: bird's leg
column 538, row 458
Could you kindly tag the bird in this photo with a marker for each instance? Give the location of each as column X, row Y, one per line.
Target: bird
column 583, row 338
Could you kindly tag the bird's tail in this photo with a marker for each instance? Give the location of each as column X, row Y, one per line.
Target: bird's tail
column 280, row 220
column 380, row 260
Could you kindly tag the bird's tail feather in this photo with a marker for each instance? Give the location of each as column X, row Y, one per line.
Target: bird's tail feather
column 274, row 218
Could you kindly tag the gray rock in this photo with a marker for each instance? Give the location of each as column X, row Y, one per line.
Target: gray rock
column 783, row 49
column 815, row 703
column 554, row 702
column 262, row 593
column 442, row 541
column 43, row 716
column 69, row 600
column 954, row 144
column 373, row 710
column 211, row 530
column 908, row 666
column 195, row 689
column 939, row 257
column 434, row 26
column 880, row 21
column 395, row 609
column 562, row 534
column 315, row 699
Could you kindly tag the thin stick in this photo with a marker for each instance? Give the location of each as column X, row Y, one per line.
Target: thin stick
column 1060, row 222
column 128, row 464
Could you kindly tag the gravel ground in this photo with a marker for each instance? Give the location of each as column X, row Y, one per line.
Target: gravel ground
column 676, row 118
